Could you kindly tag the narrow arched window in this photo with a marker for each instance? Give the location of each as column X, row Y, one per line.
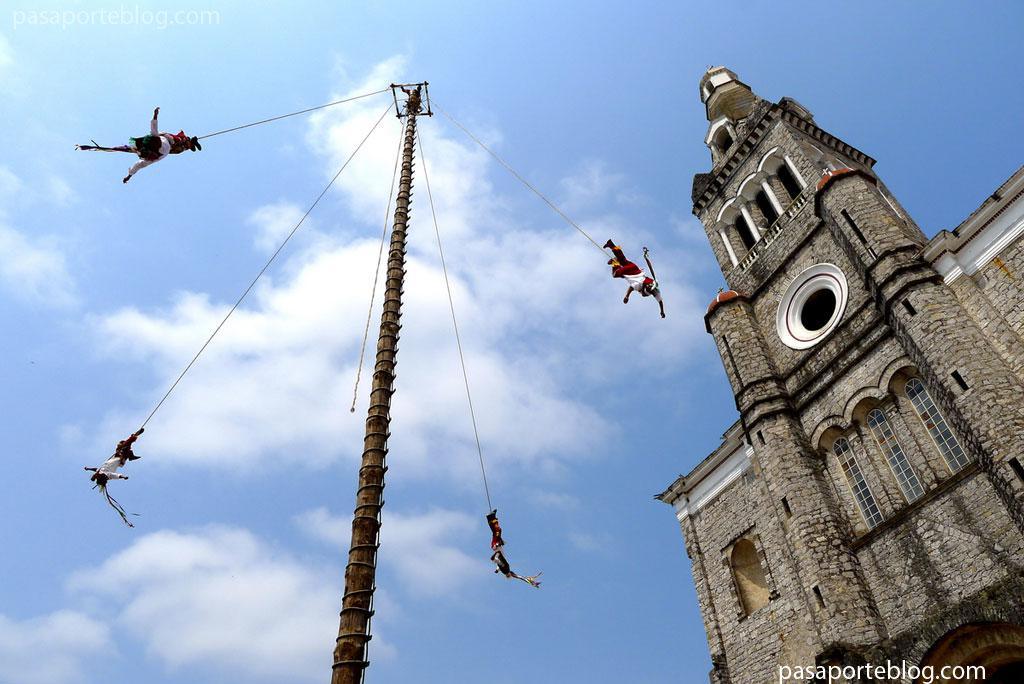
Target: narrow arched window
column 904, row 473
column 766, row 207
column 746, row 234
column 723, row 140
column 858, row 485
column 749, row 576
column 788, row 182
column 937, row 427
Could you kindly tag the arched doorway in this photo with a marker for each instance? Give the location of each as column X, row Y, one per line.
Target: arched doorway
column 996, row 646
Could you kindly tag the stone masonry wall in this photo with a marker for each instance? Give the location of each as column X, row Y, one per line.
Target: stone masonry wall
column 778, row 632
column 994, row 298
column 941, row 553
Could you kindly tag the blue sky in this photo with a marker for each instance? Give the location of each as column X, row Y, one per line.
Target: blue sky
column 587, row 407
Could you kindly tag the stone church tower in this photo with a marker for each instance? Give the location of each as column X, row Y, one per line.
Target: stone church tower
column 868, row 505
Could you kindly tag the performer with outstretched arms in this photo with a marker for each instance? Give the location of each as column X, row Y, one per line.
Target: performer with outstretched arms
column 150, row 148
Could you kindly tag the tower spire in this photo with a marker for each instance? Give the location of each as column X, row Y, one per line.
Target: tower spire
column 350, row 659
column 724, row 94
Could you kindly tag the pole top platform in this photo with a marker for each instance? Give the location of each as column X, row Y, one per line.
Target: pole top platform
column 415, row 93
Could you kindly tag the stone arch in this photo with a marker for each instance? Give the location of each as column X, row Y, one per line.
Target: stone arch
column 879, row 391
column 899, row 369
column 861, row 402
column 720, row 137
column 751, row 185
column 749, row 575
column 728, row 210
column 723, row 140
column 827, row 431
column 996, row 646
column 774, row 166
column 728, row 224
column 714, row 126
column 772, row 157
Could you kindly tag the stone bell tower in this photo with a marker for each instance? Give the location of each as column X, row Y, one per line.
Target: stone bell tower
column 873, row 462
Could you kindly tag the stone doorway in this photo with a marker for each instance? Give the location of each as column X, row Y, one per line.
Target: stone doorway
column 996, row 646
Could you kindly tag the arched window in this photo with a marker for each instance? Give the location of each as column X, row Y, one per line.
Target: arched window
column 723, row 141
column 939, row 430
column 766, row 207
column 748, row 573
column 904, row 473
column 858, row 485
column 746, row 234
column 788, row 182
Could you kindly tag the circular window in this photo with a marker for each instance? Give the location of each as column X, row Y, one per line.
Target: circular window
column 818, row 309
column 812, row 306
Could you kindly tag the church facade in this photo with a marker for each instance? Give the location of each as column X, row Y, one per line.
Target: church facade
column 868, row 505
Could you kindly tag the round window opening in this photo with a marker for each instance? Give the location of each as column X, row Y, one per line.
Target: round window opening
column 818, row 309
column 812, row 306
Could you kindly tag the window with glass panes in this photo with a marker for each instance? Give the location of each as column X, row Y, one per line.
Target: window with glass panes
column 937, row 427
column 904, row 473
column 858, row 485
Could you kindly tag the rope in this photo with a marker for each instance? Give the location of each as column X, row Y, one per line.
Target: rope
column 285, row 116
column 455, row 323
column 376, row 273
column 264, row 269
column 518, row 177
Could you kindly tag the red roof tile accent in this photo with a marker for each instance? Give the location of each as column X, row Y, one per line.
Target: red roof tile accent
column 722, row 298
column 830, row 175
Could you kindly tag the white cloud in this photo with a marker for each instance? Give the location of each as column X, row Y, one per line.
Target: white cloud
column 10, row 184
column 278, row 377
column 274, row 222
column 59, row 192
column 335, row 132
column 595, row 184
column 54, row 649
column 421, row 548
column 555, row 500
column 34, row 271
column 585, row 541
column 221, row 599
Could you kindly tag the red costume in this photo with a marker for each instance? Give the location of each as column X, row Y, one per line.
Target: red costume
column 634, row 275
column 492, row 522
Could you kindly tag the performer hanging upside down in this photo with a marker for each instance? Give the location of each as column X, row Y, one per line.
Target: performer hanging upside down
column 492, row 522
column 498, row 557
column 150, row 148
column 123, row 450
column 634, row 275
column 108, row 471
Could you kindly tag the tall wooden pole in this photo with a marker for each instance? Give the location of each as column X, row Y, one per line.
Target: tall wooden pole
column 350, row 659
